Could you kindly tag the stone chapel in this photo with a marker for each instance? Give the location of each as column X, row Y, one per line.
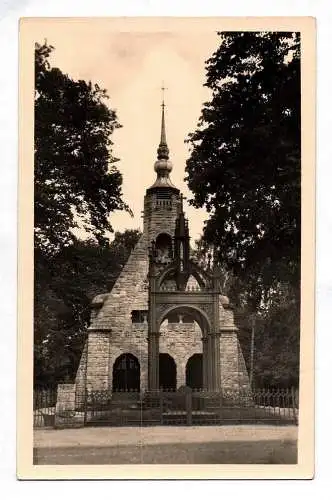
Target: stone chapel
column 165, row 323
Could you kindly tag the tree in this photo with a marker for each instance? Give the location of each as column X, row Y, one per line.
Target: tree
column 65, row 286
column 76, row 181
column 244, row 165
column 277, row 345
column 245, row 169
column 77, row 185
column 277, row 339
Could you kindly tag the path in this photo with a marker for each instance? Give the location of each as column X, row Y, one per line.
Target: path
column 231, row 444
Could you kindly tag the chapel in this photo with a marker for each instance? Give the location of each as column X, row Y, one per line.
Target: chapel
column 165, row 323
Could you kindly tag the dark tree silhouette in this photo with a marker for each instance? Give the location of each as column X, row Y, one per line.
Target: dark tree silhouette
column 244, row 165
column 76, row 185
column 76, row 182
column 245, row 168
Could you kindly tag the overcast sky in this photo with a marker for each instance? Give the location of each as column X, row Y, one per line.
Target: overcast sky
column 132, row 67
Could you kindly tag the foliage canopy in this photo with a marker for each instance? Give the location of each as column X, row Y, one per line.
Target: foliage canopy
column 245, row 164
column 76, row 181
column 245, row 169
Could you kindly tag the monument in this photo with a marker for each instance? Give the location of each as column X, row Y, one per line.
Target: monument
column 165, row 323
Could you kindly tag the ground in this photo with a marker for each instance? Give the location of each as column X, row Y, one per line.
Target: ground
column 167, row 445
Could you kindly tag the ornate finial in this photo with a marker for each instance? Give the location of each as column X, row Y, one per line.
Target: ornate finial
column 163, row 92
column 163, row 88
column 163, row 151
column 163, row 166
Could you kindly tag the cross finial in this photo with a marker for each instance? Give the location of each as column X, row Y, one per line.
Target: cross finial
column 163, row 142
column 163, row 88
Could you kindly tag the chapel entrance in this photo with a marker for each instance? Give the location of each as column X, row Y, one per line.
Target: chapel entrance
column 167, row 372
column 162, row 368
column 194, row 372
column 126, row 373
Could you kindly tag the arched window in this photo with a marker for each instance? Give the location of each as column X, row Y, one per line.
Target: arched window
column 126, row 373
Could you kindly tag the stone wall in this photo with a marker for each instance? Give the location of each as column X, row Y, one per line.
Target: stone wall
column 81, row 377
column 120, row 336
column 65, row 409
column 97, row 376
column 180, row 341
column 160, row 216
column 233, row 369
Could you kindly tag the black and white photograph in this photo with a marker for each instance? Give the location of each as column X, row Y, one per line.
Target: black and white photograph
column 171, row 252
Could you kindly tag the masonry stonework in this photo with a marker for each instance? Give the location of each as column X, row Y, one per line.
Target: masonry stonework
column 120, row 319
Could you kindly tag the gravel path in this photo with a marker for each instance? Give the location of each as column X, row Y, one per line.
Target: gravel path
column 121, row 436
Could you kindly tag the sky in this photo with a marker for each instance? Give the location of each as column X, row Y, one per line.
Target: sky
column 132, row 66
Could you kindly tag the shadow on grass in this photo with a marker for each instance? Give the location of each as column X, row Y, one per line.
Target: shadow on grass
column 226, row 452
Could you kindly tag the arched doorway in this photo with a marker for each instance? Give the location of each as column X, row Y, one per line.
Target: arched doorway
column 126, row 373
column 197, row 370
column 167, row 372
column 194, row 371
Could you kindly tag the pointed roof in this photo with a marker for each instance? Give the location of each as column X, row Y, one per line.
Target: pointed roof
column 163, row 151
column 163, row 166
column 129, row 288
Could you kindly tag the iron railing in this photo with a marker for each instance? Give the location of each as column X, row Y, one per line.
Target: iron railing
column 172, row 407
column 44, row 401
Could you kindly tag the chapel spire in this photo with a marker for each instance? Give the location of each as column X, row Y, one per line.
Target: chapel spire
column 163, row 151
column 163, row 166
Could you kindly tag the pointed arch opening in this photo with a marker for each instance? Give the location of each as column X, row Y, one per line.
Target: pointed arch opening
column 194, row 371
column 197, row 370
column 126, row 373
column 167, row 372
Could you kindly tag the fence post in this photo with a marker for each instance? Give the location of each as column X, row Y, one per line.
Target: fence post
column 161, row 406
column 188, row 396
column 294, row 405
column 252, row 350
column 220, row 406
column 85, row 406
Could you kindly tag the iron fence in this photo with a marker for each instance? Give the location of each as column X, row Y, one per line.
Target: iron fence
column 172, row 407
column 44, row 401
column 197, row 407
